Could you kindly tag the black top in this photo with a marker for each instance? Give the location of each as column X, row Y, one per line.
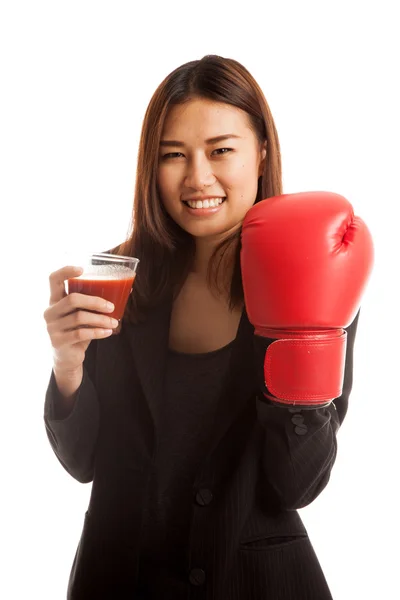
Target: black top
column 193, row 385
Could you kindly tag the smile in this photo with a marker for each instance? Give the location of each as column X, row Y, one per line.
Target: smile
column 204, row 208
column 209, row 203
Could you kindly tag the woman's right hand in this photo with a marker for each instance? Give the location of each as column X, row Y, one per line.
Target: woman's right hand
column 73, row 320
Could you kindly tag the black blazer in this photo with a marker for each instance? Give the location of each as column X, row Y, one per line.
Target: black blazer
column 247, row 540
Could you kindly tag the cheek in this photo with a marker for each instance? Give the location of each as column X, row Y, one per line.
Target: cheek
column 242, row 174
column 243, row 183
column 163, row 181
column 167, row 189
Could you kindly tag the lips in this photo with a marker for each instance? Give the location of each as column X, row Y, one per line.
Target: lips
column 200, row 211
column 196, row 198
column 212, row 202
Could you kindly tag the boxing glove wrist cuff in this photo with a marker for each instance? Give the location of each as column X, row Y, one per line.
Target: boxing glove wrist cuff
column 302, row 368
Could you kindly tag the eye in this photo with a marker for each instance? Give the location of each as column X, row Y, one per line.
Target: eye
column 171, row 155
column 223, row 150
column 219, row 151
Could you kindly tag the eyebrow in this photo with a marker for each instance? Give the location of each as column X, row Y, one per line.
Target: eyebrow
column 212, row 140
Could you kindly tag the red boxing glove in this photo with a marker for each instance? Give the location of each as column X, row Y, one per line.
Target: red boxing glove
column 305, row 262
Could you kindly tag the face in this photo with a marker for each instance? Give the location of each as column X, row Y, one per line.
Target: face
column 207, row 184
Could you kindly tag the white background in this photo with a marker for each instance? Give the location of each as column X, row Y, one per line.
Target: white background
column 75, row 79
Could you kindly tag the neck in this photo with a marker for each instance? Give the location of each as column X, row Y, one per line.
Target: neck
column 202, row 258
column 204, row 251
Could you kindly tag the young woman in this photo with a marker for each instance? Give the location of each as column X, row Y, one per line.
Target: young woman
column 196, row 474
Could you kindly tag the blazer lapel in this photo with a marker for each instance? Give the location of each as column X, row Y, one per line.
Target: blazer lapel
column 149, row 343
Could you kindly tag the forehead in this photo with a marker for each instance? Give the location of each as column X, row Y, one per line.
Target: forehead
column 202, row 118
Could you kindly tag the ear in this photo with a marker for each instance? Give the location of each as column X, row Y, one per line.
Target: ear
column 262, row 159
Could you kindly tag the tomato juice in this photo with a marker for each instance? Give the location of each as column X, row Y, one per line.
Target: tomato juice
column 111, row 288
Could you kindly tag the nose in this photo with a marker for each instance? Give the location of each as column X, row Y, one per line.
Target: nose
column 199, row 174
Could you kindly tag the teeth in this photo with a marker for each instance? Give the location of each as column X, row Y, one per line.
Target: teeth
column 209, row 203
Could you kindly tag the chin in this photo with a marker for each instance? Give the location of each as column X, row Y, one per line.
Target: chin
column 212, row 232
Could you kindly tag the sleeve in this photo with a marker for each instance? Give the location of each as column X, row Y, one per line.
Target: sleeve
column 300, row 445
column 73, row 437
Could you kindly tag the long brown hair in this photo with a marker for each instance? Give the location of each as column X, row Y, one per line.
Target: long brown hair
column 165, row 250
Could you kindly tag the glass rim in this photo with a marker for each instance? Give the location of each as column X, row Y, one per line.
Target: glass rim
column 114, row 257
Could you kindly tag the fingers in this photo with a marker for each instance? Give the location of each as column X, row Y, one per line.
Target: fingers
column 73, row 320
column 74, row 302
column 71, row 333
column 81, row 319
column 57, row 282
column 66, row 340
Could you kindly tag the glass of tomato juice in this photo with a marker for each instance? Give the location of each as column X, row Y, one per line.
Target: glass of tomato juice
column 107, row 276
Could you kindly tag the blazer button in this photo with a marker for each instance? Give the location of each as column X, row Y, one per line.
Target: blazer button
column 197, row 577
column 204, row 497
column 301, row 429
column 297, row 419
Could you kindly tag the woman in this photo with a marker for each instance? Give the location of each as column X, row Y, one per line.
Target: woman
column 188, row 498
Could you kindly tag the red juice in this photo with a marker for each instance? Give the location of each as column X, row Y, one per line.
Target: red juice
column 110, row 288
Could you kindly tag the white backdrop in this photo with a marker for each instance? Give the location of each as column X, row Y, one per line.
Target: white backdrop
column 76, row 78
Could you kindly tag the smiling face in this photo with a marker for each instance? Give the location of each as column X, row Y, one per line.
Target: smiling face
column 194, row 164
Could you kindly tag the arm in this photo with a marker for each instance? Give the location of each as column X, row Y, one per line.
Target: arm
column 73, row 434
column 306, row 259
column 300, row 445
